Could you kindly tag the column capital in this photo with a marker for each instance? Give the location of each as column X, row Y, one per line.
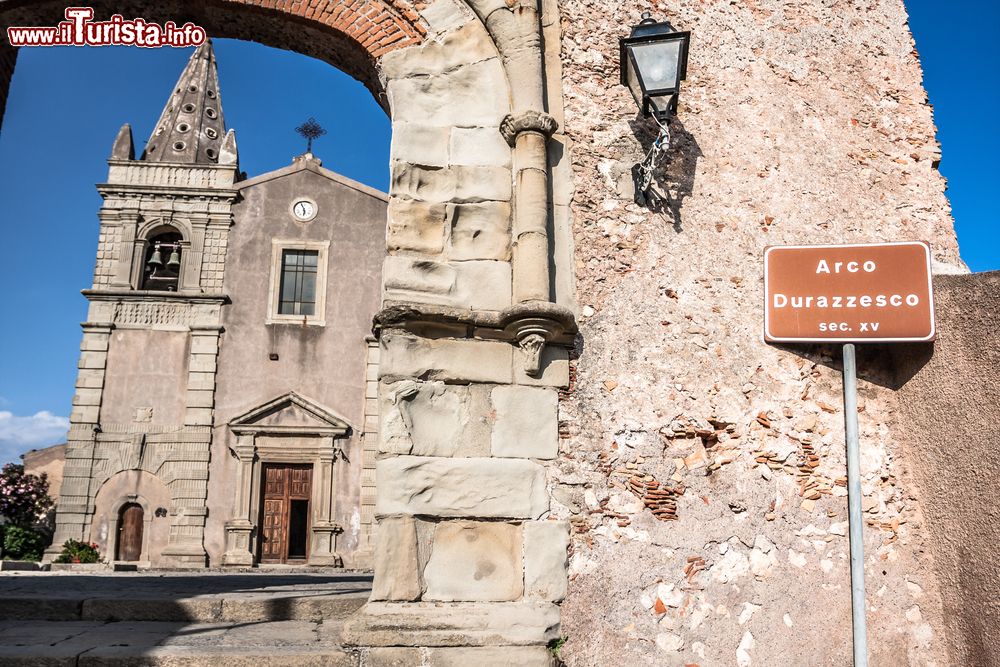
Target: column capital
column 529, row 121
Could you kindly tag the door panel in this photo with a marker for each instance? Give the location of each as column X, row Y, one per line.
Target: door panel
column 129, row 544
column 273, row 542
column 284, row 511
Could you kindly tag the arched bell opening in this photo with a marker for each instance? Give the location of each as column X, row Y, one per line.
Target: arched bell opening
column 161, row 267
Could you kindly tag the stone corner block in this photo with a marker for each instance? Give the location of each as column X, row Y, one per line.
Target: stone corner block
column 397, row 574
column 471, row 487
column 545, row 557
column 475, row 561
column 527, row 422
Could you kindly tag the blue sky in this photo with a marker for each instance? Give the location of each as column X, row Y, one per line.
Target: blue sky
column 66, row 105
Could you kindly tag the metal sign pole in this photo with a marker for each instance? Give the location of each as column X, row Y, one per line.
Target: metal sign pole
column 854, row 507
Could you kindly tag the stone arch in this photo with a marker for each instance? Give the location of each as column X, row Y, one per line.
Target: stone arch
column 470, row 315
column 144, row 489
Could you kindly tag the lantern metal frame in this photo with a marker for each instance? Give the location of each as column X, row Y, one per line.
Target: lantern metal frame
column 651, row 32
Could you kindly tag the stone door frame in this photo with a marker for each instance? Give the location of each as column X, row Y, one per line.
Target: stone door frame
column 316, row 444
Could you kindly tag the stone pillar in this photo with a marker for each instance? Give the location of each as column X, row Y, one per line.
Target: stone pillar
column 75, row 506
column 323, row 542
column 189, row 487
column 464, row 549
column 239, row 527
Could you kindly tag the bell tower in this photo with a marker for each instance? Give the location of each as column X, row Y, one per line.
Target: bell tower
column 142, row 417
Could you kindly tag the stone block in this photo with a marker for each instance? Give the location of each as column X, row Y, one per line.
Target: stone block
column 451, row 184
column 480, row 231
column 197, row 398
column 444, row 15
column 93, row 360
column 445, row 359
column 553, row 369
column 85, row 396
column 470, row 487
column 545, row 544
column 199, row 380
column 475, row 561
column 392, row 657
column 467, row 45
column 459, row 624
column 415, row 225
column 90, row 378
column 204, row 344
column 420, row 144
column 203, row 363
column 408, row 274
column 474, row 95
column 491, row 656
column 434, row 419
column 478, row 146
column 397, row 575
column 527, row 423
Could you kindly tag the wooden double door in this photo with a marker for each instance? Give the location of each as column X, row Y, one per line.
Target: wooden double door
column 285, row 513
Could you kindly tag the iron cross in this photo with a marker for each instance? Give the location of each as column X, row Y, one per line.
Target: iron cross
column 310, row 130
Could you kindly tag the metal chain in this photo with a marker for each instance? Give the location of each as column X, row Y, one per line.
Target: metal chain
column 645, row 169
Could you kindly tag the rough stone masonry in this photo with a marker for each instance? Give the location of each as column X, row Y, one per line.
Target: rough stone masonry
column 799, row 122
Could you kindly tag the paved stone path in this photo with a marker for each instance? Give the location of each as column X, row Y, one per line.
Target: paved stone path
column 178, row 619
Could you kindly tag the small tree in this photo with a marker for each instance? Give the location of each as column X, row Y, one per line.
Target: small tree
column 24, row 502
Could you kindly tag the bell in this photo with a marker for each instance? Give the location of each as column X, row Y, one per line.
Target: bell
column 156, row 261
column 174, row 262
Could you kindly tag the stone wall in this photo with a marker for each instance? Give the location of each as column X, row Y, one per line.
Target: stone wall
column 949, row 403
column 701, row 469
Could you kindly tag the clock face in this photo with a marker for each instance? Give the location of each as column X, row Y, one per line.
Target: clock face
column 304, row 209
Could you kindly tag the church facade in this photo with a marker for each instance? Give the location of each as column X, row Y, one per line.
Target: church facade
column 223, row 412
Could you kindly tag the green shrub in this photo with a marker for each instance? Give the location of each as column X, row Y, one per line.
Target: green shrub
column 74, row 551
column 23, row 543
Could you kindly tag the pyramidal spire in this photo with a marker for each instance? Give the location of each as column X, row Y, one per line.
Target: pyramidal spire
column 191, row 129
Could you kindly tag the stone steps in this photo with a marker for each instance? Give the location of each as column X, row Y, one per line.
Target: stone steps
column 154, row 644
column 207, row 609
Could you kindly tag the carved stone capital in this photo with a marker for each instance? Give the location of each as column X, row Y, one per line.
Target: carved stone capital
column 528, row 121
column 532, row 346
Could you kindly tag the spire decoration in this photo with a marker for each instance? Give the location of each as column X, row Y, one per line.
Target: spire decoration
column 191, row 128
column 310, row 130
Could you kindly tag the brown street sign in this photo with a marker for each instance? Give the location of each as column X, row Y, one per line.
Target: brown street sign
column 875, row 292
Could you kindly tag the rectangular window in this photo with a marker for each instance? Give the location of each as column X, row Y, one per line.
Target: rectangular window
column 299, row 269
column 298, row 284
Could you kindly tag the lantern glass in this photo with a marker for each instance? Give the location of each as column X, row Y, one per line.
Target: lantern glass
column 654, row 62
column 658, row 62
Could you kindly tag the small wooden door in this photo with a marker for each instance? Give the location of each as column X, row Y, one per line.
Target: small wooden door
column 285, row 513
column 129, row 544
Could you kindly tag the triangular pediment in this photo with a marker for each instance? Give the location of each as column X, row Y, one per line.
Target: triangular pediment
column 290, row 413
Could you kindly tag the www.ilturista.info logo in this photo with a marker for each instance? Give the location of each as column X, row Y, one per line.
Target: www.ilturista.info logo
column 80, row 30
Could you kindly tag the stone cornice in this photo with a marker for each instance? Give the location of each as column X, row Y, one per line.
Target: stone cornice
column 152, row 296
column 529, row 121
column 556, row 323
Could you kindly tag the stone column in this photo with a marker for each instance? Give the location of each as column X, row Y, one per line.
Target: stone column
column 239, row 528
column 528, row 133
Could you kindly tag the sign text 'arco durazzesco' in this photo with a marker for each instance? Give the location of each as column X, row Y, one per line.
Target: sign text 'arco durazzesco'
column 877, row 292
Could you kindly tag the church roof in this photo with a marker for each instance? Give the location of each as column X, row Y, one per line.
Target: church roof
column 191, row 129
column 309, row 162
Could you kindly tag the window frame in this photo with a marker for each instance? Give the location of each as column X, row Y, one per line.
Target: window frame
column 278, row 246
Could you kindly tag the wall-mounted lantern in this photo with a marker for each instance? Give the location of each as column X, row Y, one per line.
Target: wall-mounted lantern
column 653, row 64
